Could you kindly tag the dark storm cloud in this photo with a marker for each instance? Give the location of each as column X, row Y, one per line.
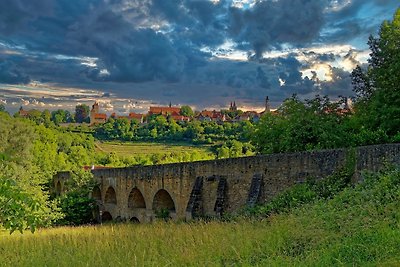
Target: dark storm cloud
column 292, row 78
column 320, row 56
column 262, row 79
column 270, row 24
column 345, row 24
column 10, row 73
column 18, row 13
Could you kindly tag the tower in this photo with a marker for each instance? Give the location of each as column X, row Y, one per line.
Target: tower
column 267, row 106
column 95, row 107
column 233, row 106
column 93, row 112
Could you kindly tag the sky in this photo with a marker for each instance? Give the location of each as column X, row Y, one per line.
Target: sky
column 130, row 54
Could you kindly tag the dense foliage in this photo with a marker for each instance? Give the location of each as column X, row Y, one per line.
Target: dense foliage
column 160, row 128
column 229, row 139
column 30, row 156
column 18, row 208
column 314, row 124
column 378, row 87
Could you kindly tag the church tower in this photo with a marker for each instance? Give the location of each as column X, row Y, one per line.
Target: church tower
column 233, row 106
column 267, row 106
column 93, row 112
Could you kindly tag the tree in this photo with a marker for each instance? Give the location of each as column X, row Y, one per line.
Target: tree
column 379, row 86
column 2, row 108
column 17, row 208
column 23, row 202
column 187, row 111
column 300, row 126
column 35, row 115
column 81, row 113
column 46, row 117
column 61, row 116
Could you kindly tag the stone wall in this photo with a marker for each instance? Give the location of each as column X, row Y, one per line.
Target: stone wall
column 210, row 188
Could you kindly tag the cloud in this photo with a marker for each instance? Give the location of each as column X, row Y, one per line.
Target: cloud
column 162, row 50
column 19, row 13
column 271, row 24
column 339, row 85
column 10, row 73
column 356, row 19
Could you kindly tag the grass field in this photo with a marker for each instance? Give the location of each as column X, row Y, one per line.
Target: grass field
column 280, row 241
column 144, row 148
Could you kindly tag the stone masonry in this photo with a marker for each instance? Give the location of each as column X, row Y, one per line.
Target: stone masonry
column 214, row 187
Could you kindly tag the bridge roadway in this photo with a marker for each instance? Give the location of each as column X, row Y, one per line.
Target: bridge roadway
column 210, row 188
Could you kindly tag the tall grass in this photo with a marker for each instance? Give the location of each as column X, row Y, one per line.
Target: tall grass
column 357, row 227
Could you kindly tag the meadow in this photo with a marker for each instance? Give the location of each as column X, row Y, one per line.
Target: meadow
column 147, row 148
column 357, row 227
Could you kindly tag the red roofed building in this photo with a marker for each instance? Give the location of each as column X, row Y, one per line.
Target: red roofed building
column 249, row 116
column 179, row 118
column 23, row 113
column 207, row 115
column 165, row 111
column 131, row 116
column 136, row 116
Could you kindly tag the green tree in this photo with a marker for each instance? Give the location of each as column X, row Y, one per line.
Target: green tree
column 187, row 111
column 35, row 115
column 18, row 208
column 46, row 117
column 22, row 179
column 300, row 126
column 61, row 116
column 81, row 113
column 381, row 82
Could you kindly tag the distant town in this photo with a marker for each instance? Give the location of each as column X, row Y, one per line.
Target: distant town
column 177, row 113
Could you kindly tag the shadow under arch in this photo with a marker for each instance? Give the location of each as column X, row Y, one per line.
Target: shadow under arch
column 134, row 220
column 136, row 199
column 106, row 216
column 163, row 201
column 111, row 196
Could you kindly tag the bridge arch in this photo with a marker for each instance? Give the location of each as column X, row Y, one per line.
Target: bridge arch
column 134, row 220
column 106, row 216
column 163, row 201
column 136, row 199
column 96, row 193
column 111, row 196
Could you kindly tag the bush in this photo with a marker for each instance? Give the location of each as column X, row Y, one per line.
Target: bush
column 162, row 214
column 77, row 208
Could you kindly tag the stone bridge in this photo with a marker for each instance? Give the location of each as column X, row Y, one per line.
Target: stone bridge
column 210, row 188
